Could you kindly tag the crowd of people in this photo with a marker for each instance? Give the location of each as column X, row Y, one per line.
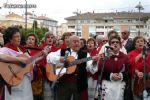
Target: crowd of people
column 99, row 68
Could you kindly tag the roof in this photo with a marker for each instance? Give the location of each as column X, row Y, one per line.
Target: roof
column 13, row 15
column 104, row 16
column 29, row 13
column 44, row 18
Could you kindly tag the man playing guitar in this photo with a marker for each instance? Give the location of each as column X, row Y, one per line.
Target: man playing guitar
column 74, row 84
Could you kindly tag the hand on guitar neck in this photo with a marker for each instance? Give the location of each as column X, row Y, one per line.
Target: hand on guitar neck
column 44, row 52
column 94, row 58
column 97, row 57
column 51, row 69
column 139, row 74
column 138, row 82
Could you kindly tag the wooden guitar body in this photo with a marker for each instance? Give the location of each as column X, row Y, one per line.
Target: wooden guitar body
column 13, row 73
column 50, row 69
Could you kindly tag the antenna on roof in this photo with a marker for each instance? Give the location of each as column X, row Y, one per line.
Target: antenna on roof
column 77, row 12
column 7, row 1
column 80, row 12
column 116, row 11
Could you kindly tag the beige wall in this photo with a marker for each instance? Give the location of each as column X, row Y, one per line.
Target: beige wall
column 124, row 27
column 85, row 31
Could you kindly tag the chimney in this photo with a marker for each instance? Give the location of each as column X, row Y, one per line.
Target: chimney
column 116, row 12
column 93, row 12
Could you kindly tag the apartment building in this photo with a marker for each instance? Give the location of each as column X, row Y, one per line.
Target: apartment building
column 62, row 29
column 12, row 19
column 89, row 24
column 46, row 22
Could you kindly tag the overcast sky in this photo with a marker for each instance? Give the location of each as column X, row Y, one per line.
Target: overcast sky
column 60, row 9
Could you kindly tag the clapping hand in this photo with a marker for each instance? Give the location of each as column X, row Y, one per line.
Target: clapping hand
column 137, row 58
column 116, row 77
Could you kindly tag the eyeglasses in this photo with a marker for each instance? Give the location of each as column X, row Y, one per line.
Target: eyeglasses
column 50, row 37
column 123, row 33
column 105, row 41
column 112, row 42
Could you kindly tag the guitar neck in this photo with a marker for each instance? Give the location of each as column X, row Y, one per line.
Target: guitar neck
column 35, row 56
column 80, row 61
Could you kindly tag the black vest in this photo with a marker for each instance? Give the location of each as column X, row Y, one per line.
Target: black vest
column 80, row 71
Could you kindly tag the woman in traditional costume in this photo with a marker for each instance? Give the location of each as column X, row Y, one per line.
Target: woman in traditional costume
column 115, row 71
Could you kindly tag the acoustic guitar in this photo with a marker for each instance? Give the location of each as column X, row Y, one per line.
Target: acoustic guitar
column 138, row 84
column 54, row 72
column 13, row 73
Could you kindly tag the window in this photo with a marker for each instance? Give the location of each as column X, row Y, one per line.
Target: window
column 108, row 27
column 91, row 34
column 99, row 33
column 73, row 33
column 71, row 27
column 88, row 21
column 79, row 34
column 82, row 21
column 100, row 27
column 129, row 20
column 141, row 26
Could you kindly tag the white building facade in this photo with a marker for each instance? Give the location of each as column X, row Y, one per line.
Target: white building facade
column 89, row 24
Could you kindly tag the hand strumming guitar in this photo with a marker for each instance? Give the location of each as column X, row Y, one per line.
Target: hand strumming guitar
column 62, row 59
column 22, row 59
column 44, row 52
column 9, row 58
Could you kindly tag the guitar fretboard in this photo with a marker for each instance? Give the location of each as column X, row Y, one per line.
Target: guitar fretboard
column 79, row 61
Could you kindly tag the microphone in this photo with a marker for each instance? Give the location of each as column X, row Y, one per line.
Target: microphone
column 65, row 58
column 109, row 47
column 66, row 55
column 148, row 49
column 108, row 53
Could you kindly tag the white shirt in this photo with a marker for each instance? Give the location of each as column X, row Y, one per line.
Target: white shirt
column 54, row 58
column 124, row 42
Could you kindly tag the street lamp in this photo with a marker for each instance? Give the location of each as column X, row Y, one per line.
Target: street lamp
column 139, row 7
column 33, row 22
column 26, row 16
column 77, row 26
